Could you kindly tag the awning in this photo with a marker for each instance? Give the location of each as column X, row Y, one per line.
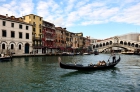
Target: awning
column 61, row 48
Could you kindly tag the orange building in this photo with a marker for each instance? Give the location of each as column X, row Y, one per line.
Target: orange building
column 60, row 38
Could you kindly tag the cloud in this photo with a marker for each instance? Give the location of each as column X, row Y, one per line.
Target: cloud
column 129, row 15
column 17, row 7
column 74, row 12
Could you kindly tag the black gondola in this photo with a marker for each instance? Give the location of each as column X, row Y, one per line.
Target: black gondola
column 5, row 58
column 89, row 67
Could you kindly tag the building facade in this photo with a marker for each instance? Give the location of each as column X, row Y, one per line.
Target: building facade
column 36, row 22
column 74, row 41
column 15, row 35
column 48, row 37
column 131, row 36
column 60, row 39
column 80, row 40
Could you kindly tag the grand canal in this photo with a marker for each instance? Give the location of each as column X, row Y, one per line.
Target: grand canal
column 43, row 74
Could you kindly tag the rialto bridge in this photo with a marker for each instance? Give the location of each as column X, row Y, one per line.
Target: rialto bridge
column 116, row 42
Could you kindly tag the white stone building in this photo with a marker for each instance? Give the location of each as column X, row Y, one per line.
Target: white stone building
column 15, row 35
column 131, row 37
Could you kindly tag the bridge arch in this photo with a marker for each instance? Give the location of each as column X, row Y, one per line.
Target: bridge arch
column 129, row 44
column 103, row 44
column 121, row 42
column 94, row 46
column 97, row 46
column 107, row 43
column 132, row 44
column 111, row 42
column 125, row 43
column 100, row 45
column 136, row 45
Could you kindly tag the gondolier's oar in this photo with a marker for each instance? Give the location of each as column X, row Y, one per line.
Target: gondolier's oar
column 59, row 59
column 109, row 58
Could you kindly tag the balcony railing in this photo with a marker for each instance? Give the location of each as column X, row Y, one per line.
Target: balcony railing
column 49, row 39
column 49, row 32
column 37, row 38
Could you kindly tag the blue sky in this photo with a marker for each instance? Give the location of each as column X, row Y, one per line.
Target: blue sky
column 99, row 19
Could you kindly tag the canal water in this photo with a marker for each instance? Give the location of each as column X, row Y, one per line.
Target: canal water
column 43, row 74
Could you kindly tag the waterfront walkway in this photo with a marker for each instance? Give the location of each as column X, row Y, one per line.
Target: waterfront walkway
column 38, row 54
column 30, row 55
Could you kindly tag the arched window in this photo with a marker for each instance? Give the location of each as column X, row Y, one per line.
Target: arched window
column 12, row 46
column 19, row 46
column 3, row 46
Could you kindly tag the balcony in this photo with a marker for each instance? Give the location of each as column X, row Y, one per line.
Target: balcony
column 49, row 32
column 48, row 26
column 34, row 25
column 49, row 39
column 37, row 38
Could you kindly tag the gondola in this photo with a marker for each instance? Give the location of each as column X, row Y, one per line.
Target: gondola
column 96, row 53
column 5, row 58
column 88, row 67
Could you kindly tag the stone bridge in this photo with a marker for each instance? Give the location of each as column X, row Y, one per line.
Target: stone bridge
column 116, row 42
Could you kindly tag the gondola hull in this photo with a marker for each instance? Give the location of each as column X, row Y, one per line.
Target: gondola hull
column 2, row 59
column 88, row 68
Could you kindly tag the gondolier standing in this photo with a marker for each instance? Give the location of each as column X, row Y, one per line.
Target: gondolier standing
column 114, row 57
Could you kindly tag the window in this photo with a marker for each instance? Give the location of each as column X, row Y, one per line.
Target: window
column 39, row 25
column 12, row 24
column 12, row 34
column 19, row 47
column 3, row 46
column 34, row 16
column 40, row 31
column 27, row 27
column 20, row 34
column 27, row 35
column 3, row 23
column 34, row 24
column 34, row 29
column 3, row 33
column 12, row 46
column 20, row 26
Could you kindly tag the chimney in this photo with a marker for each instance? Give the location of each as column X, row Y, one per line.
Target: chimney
column 13, row 17
column 6, row 15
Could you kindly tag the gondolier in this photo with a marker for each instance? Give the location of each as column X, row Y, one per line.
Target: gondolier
column 114, row 57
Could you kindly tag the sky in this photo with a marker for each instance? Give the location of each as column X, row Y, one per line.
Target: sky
column 99, row 19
